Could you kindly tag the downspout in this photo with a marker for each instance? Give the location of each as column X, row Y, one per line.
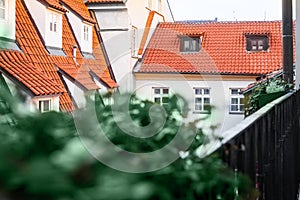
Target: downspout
column 297, row 45
column 147, row 30
column 287, row 40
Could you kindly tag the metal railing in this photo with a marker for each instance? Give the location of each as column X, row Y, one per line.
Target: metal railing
column 266, row 147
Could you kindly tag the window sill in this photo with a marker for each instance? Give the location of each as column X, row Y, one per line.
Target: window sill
column 201, row 112
column 236, row 112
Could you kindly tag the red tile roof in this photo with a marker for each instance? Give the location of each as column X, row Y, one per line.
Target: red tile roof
column 16, row 64
column 54, row 4
column 80, row 8
column 40, row 70
column 223, row 48
column 104, row 1
column 30, row 42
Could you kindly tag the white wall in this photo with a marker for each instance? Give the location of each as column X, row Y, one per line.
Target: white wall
column 31, row 103
column 38, row 13
column 219, row 94
column 53, row 39
column 8, row 25
column 77, row 26
column 76, row 92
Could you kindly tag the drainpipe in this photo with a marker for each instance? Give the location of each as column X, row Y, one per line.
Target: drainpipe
column 287, row 40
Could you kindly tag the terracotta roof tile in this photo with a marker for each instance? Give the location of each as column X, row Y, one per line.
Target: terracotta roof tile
column 54, row 4
column 17, row 66
column 223, row 48
column 37, row 55
column 80, row 8
column 104, row 1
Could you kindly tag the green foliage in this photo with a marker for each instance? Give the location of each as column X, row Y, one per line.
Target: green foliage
column 42, row 157
column 270, row 86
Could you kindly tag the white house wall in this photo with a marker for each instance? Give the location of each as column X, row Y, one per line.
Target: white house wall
column 77, row 93
column 38, row 13
column 8, row 25
column 219, row 94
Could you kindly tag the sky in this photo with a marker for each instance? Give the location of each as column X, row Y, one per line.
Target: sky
column 227, row 10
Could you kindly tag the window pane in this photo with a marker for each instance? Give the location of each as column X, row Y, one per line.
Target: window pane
column 242, row 101
column 207, row 107
column 2, row 13
column 198, row 100
column 186, row 45
column 165, row 91
column 2, row 3
column 156, row 100
column 198, row 91
column 207, row 100
column 165, row 100
column 242, row 108
column 234, row 107
column 197, row 107
column 46, row 105
column 156, row 91
column 235, row 91
column 234, row 101
column 206, row 91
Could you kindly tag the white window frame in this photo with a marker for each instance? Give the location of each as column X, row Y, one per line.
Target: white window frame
column 86, row 32
column 240, row 106
column 53, row 22
column 5, row 9
column 160, row 94
column 41, row 106
column 201, row 95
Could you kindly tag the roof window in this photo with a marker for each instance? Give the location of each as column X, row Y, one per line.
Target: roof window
column 257, row 42
column 190, row 44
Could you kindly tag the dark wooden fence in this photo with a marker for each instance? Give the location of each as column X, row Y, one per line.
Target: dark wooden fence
column 268, row 149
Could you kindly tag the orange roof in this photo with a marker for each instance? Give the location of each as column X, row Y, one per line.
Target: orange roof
column 54, row 4
column 16, row 64
column 30, row 42
column 104, row 1
column 80, row 8
column 39, row 69
column 223, row 48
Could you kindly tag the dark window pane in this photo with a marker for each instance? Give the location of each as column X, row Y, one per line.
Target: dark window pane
column 46, row 105
column 197, row 91
column 165, row 91
column 242, row 108
column 207, row 107
column 198, row 100
column 2, row 3
column 206, row 91
column 165, row 100
column 197, row 107
column 156, row 91
column 235, row 91
column 234, row 101
column 234, row 107
column 207, row 100
column 242, row 101
column 156, row 100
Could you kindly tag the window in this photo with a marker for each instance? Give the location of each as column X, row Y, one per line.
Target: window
column 86, row 33
column 53, row 22
column 257, row 42
column 236, row 101
column 190, row 44
column 161, row 95
column 202, row 99
column 2, row 9
column 45, row 105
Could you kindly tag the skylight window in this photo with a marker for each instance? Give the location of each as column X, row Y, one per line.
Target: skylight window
column 257, row 42
column 190, row 44
column 53, row 22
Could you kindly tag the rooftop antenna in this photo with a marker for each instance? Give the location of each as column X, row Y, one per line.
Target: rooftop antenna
column 265, row 15
column 234, row 18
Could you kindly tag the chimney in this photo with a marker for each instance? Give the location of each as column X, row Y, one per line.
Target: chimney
column 74, row 52
column 287, row 40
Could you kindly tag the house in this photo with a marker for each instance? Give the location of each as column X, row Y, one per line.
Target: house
column 208, row 63
column 126, row 27
column 50, row 52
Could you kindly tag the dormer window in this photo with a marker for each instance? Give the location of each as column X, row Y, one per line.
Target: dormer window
column 86, row 33
column 190, row 44
column 2, row 9
column 53, row 20
column 257, row 42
